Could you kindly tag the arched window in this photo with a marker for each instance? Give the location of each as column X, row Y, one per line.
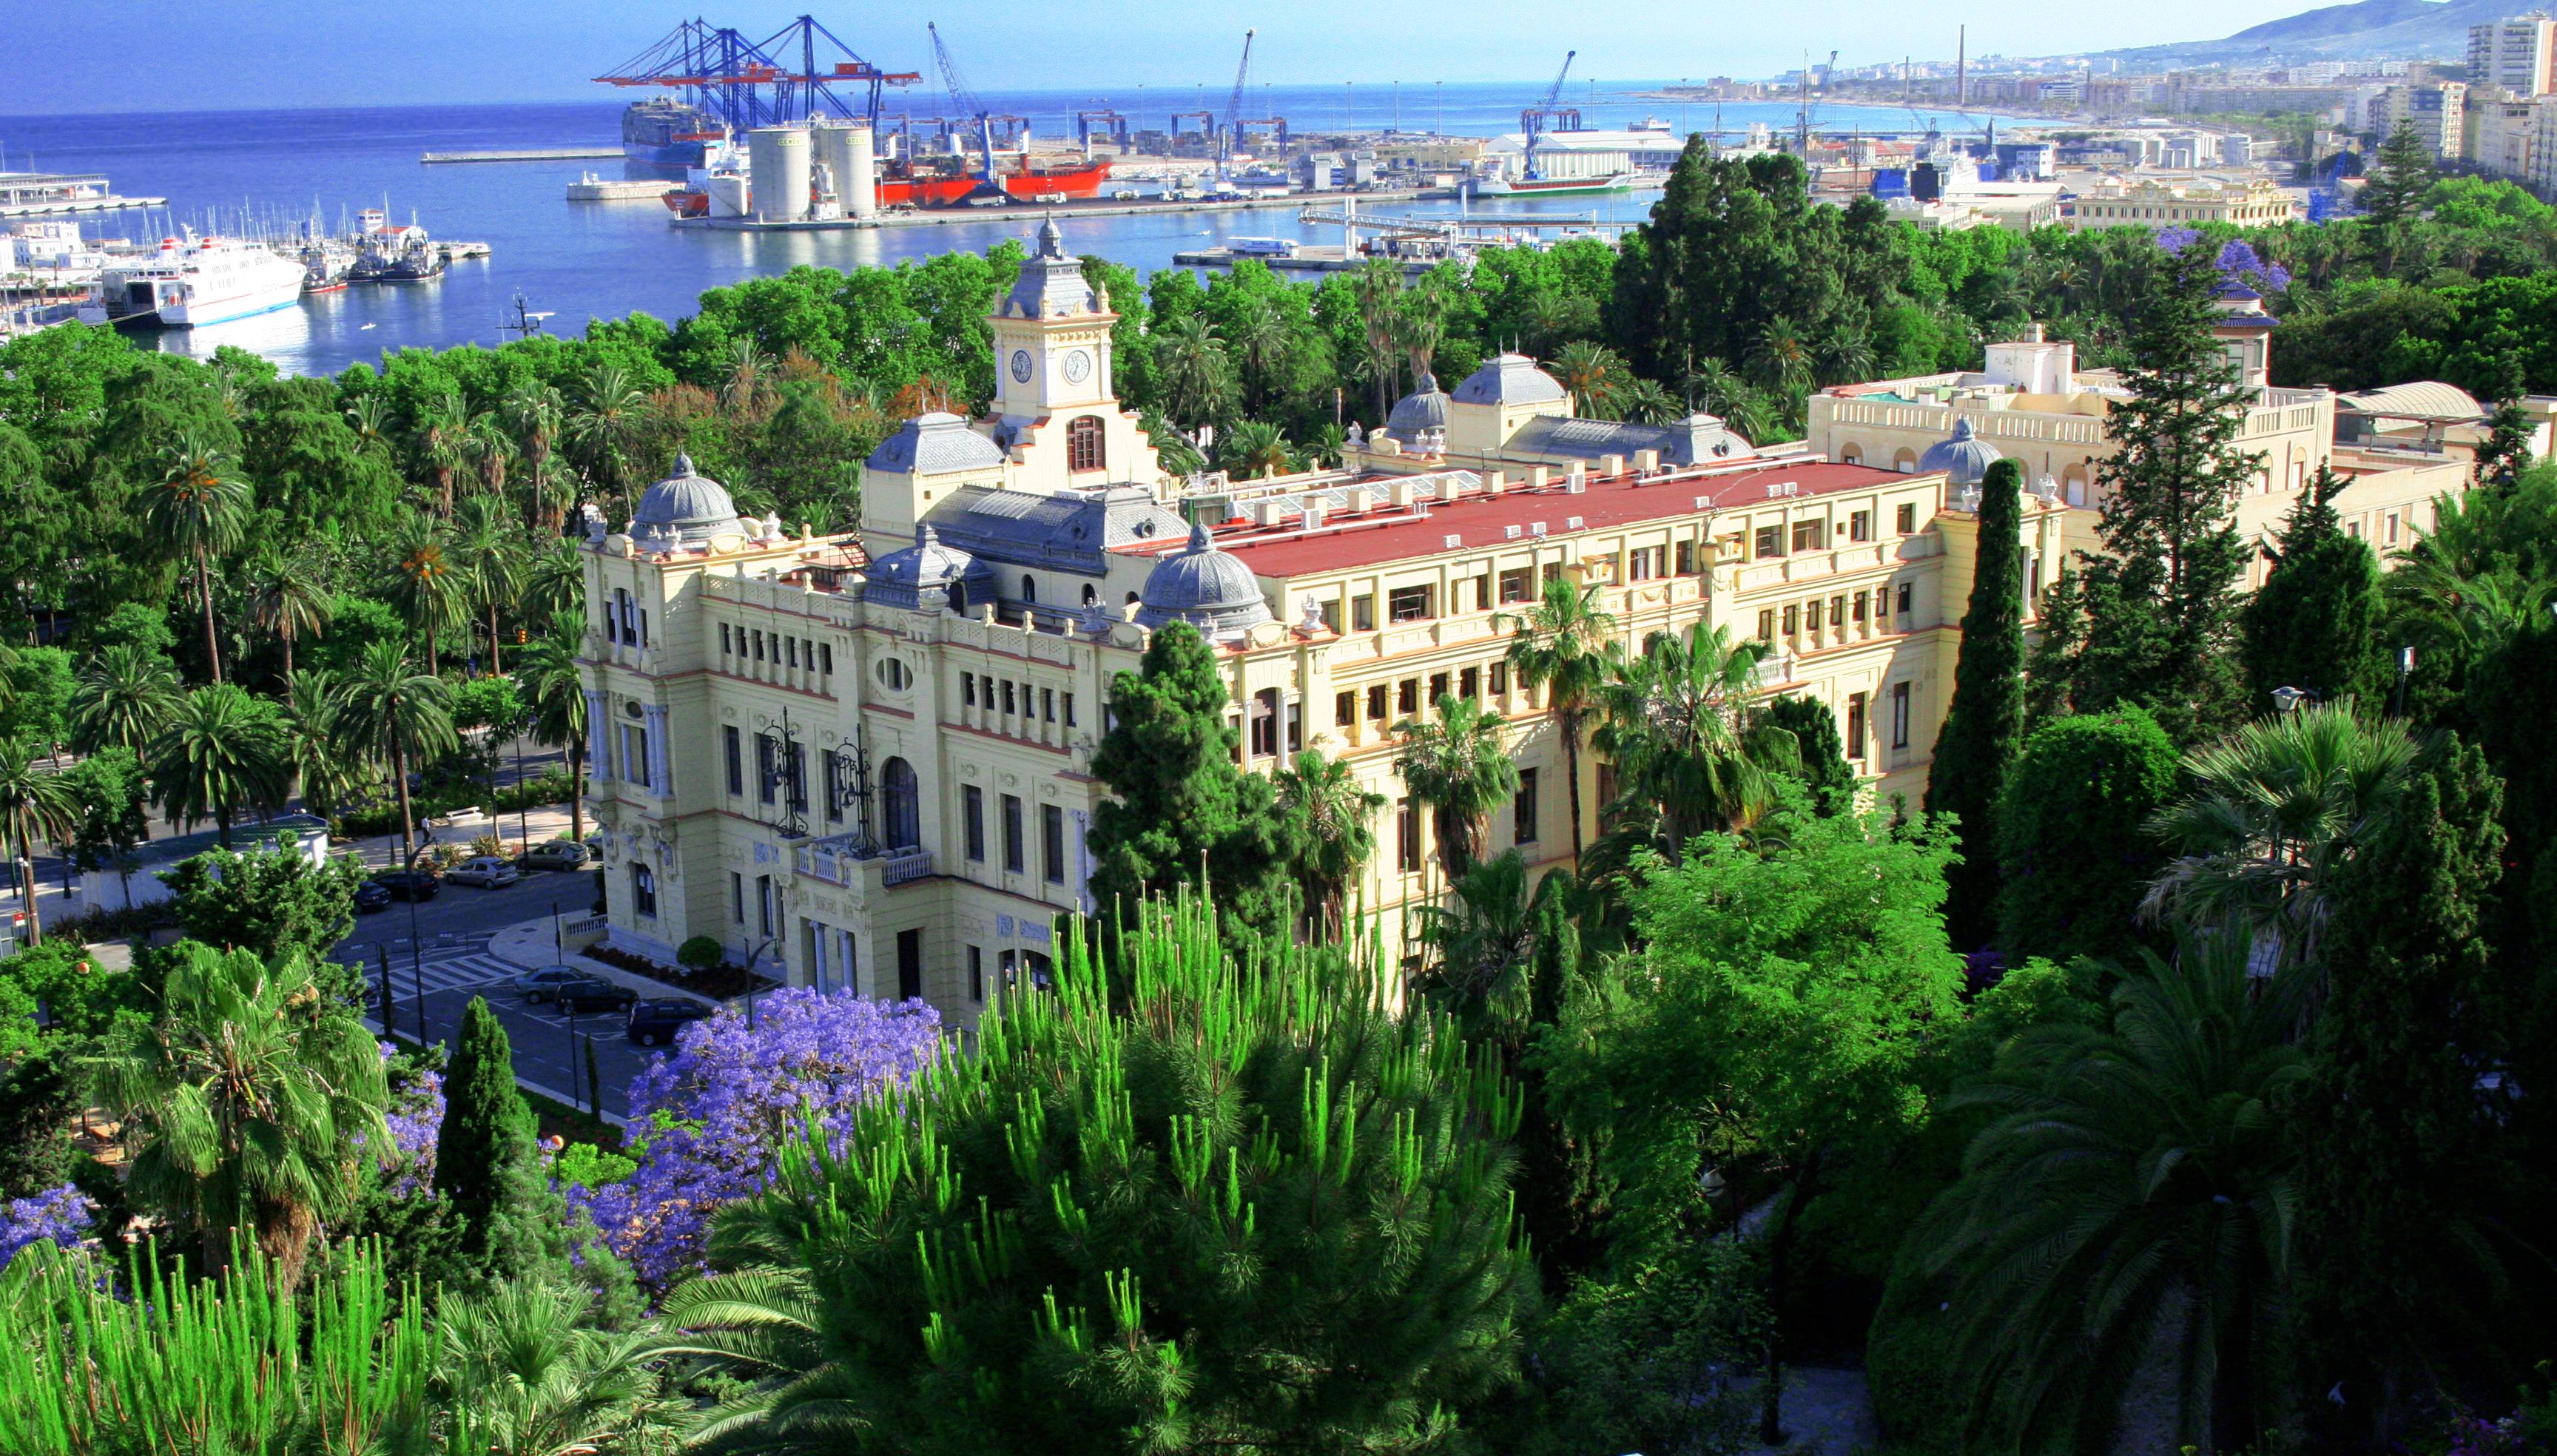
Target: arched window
column 1090, row 596
column 904, row 807
column 1030, row 588
column 1083, row 444
column 1849, row 455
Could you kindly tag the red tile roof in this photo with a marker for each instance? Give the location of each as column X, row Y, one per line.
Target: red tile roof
column 1611, row 502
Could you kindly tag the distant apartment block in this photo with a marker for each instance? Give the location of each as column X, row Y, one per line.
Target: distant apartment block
column 2151, row 204
column 2438, row 110
column 2518, row 53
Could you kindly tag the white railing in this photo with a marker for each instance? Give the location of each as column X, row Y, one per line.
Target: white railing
column 913, row 865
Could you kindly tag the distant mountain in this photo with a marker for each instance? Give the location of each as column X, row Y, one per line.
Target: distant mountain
column 2411, row 30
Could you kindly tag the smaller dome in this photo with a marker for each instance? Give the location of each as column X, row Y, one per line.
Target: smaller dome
column 1424, row 408
column 927, row 575
column 1964, row 457
column 688, row 506
column 934, row 444
column 1211, row 589
column 1507, row 379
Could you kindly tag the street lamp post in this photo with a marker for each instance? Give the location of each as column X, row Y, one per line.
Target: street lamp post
column 752, row 959
column 417, row 942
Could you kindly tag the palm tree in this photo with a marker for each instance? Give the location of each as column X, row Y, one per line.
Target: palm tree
column 1485, row 940
column 290, row 599
column 1645, row 402
column 1713, row 384
column 330, row 773
column 762, row 1324
column 223, row 751
column 524, row 1372
column 2274, row 809
column 1459, row 766
column 1677, row 728
column 1781, row 360
column 439, row 438
column 1420, row 322
column 1255, row 340
column 554, row 690
column 554, row 581
column 372, row 420
column 248, row 1103
column 1253, row 449
column 1563, row 646
column 431, row 583
column 1198, row 375
column 605, row 426
column 1376, row 285
column 122, row 698
column 35, row 803
column 1321, row 798
column 1595, row 374
column 2137, row 1188
column 396, row 716
column 492, row 553
column 490, row 449
column 748, row 381
column 195, row 509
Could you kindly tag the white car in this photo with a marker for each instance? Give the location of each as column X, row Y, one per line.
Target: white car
column 486, row 870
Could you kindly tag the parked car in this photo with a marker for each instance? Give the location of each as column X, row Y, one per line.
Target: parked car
column 488, row 871
column 1122, row 194
column 535, row 986
column 556, row 855
column 655, row 1023
column 409, row 884
column 373, row 895
column 591, row 993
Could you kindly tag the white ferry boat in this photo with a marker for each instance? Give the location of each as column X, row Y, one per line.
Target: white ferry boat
column 196, row 281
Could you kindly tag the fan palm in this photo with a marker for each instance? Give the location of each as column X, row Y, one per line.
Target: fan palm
column 1564, row 647
column 1781, row 360
column 440, row 442
column 1196, row 372
column 554, row 690
column 1253, row 448
column 221, row 750
column 122, row 698
column 431, row 583
column 491, row 449
column 371, row 419
column 491, row 551
column 1331, row 814
column 524, row 1373
column 762, row 1324
column 330, row 773
column 1419, row 323
column 35, row 803
column 1256, row 340
column 747, row 381
column 396, row 716
column 535, row 412
column 1458, row 763
column 1677, row 728
column 2138, row 1186
column 290, row 599
column 1377, row 285
column 2274, row 809
column 606, row 424
column 1595, row 374
column 1713, row 384
column 1484, row 937
column 1646, row 403
column 248, row 1103
column 196, row 511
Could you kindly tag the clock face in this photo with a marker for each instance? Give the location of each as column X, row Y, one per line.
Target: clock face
column 1077, row 365
column 1021, row 365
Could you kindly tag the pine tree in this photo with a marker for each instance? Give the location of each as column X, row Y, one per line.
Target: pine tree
column 1179, row 803
column 1985, row 726
column 2399, row 180
column 487, row 1168
column 2403, row 1162
column 2160, row 624
column 2315, row 624
column 2507, row 450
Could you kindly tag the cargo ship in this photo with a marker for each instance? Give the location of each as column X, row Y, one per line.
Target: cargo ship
column 196, row 281
column 944, row 181
column 1552, row 186
column 664, row 132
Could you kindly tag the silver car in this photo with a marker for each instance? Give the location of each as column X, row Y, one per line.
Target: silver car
column 486, row 870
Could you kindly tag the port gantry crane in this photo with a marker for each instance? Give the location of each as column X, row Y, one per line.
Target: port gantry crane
column 748, row 85
column 1550, row 115
column 1230, row 136
column 966, row 100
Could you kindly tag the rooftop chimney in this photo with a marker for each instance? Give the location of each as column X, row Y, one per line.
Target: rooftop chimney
column 1537, row 476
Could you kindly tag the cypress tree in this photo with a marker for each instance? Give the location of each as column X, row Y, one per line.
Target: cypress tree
column 2073, row 849
column 2316, row 623
column 487, row 1169
column 1180, row 802
column 1984, row 725
column 2406, row 1154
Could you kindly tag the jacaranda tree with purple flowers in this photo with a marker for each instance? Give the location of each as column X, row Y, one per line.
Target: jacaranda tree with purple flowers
column 713, row 1115
column 54, row 1216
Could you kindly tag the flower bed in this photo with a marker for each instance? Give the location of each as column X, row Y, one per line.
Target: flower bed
column 719, row 983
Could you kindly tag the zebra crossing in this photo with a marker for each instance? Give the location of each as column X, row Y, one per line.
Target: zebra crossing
column 475, row 971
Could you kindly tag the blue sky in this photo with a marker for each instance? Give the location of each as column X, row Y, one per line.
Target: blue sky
column 192, row 55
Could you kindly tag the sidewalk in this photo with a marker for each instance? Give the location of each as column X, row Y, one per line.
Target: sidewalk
column 529, row 944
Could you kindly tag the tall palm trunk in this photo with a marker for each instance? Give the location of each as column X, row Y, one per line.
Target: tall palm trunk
column 399, row 783
column 25, row 870
column 287, row 634
column 283, row 1231
column 204, row 579
column 1570, row 717
column 493, row 668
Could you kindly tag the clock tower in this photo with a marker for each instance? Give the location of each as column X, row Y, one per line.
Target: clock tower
column 1052, row 339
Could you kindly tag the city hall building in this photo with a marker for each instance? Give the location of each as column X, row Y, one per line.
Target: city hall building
column 866, row 759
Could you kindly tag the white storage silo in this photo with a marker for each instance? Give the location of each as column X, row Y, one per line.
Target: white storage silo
column 778, row 156
column 857, row 181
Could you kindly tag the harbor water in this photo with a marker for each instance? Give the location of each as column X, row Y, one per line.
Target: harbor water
column 602, row 260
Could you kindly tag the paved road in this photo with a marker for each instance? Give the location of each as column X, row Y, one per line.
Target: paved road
column 451, row 964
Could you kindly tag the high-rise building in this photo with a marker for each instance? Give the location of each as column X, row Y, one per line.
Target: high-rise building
column 2518, row 53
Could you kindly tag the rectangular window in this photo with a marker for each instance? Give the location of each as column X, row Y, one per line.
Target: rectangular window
column 976, row 974
column 1406, row 697
column 1014, row 850
column 790, row 650
column 1859, row 608
column 763, row 904
column 1518, row 584
column 758, row 644
column 1838, row 611
column 799, row 778
column 643, row 626
column 1048, row 704
column 1361, row 614
column 1638, row 564
column 1007, row 696
column 1900, row 714
column 1810, row 535
column 836, row 772
column 1408, row 603
column 986, row 691
column 1469, row 683
column 1908, row 518
column 966, row 690
column 1069, row 710
column 1376, row 701
column 1904, row 599
column 1769, row 543
column 1767, row 626
column 723, row 650
column 1407, row 838
column 1522, row 808
column 736, row 745
column 766, row 766
column 1483, row 593
column 1551, row 573
column 826, row 657
column 2392, row 528
column 736, row 897
column 643, row 890
column 1859, row 525
column 1500, row 678
column 1793, row 621
column 1686, row 558
column 635, row 754
column 1438, row 688
column 1855, row 726
column 971, row 818
column 909, row 965
column 1052, row 844
column 1344, row 710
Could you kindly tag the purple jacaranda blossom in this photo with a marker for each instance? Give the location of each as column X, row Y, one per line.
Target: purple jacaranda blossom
column 710, row 1117
column 2240, row 262
column 57, row 1215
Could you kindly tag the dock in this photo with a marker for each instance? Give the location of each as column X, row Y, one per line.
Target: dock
column 1063, row 212
column 539, row 154
column 594, row 189
column 51, row 193
column 1307, row 258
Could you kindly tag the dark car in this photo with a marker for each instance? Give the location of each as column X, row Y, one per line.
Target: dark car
column 535, row 986
column 409, row 884
column 556, row 855
column 373, row 895
column 594, row 994
column 654, row 1022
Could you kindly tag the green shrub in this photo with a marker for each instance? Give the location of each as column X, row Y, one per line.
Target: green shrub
column 700, row 952
column 1909, row 1369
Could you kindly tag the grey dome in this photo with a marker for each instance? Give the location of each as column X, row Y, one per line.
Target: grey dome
column 1211, row 589
column 1424, row 408
column 934, row 444
column 1964, row 458
column 687, row 505
column 929, row 576
column 1510, row 379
